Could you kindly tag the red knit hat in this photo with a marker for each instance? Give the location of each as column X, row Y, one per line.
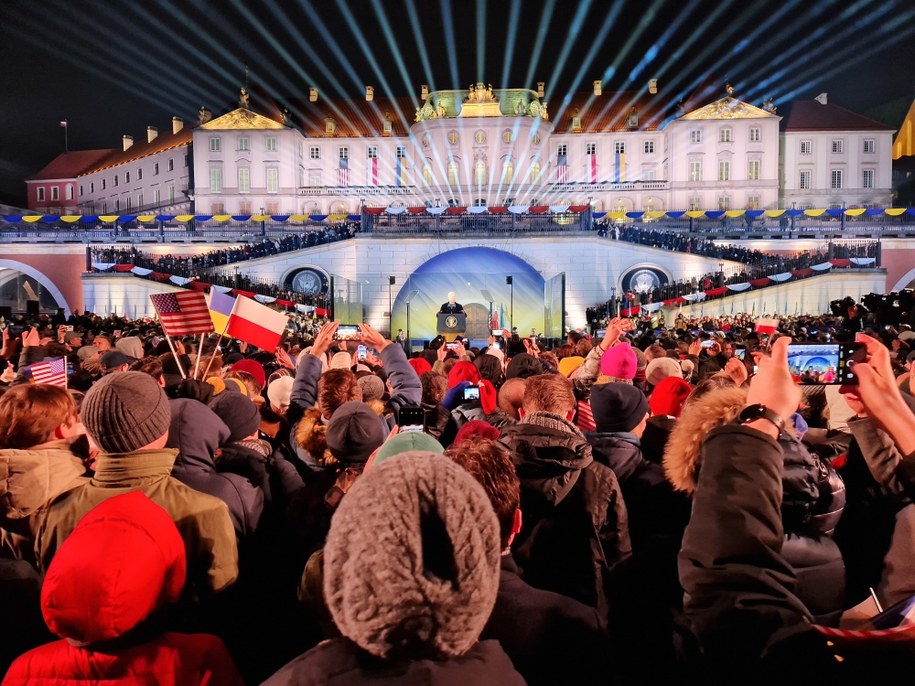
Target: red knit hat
column 420, row 366
column 253, row 368
column 463, row 371
column 476, row 428
column 668, row 396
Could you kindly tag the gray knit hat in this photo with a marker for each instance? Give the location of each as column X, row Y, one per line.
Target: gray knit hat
column 354, row 432
column 411, row 563
column 123, row 412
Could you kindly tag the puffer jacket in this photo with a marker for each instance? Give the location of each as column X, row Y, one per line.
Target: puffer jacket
column 197, row 432
column 812, row 503
column 575, row 522
column 29, row 481
column 123, row 562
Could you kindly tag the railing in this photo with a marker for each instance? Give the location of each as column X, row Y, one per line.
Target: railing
column 476, row 224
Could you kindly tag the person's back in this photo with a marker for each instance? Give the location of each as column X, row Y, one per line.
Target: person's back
column 128, row 415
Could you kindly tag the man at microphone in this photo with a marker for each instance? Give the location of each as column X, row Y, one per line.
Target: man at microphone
column 452, row 306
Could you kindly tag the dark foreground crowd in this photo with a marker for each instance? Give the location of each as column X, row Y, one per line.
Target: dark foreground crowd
column 646, row 507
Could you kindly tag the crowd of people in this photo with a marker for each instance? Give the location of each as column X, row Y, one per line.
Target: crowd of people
column 656, row 503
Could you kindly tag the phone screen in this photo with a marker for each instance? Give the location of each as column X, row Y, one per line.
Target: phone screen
column 411, row 419
column 451, row 346
column 472, row 393
column 497, row 332
column 825, row 363
column 361, row 351
column 346, row 332
column 707, row 344
column 740, row 353
column 600, row 333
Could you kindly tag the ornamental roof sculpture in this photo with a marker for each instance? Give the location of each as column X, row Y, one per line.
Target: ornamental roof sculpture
column 728, row 108
column 241, row 119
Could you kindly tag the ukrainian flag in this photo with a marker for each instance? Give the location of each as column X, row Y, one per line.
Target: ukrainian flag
column 220, row 309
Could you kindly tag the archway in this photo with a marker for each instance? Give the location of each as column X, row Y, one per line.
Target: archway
column 12, row 289
column 907, row 281
column 478, row 276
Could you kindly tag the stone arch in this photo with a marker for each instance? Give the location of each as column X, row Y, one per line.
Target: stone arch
column 905, row 281
column 46, row 282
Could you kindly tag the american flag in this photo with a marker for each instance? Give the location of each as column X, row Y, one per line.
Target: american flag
column 52, row 372
column 343, row 172
column 183, row 314
column 562, row 169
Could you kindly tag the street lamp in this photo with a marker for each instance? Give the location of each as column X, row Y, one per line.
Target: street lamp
column 263, row 223
column 511, row 306
column 391, row 281
column 720, row 274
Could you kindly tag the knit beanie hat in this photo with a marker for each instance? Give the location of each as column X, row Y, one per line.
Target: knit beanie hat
column 86, row 352
column 567, row 365
column 239, row 414
column 617, row 406
column 523, row 366
column 660, row 368
column 372, row 387
column 420, row 366
column 619, row 362
column 341, row 360
column 463, row 371
column 279, row 392
column 668, row 396
column 476, row 429
column 253, row 368
column 236, row 386
column 218, row 385
column 408, row 442
column 123, row 412
column 353, row 432
column 412, row 559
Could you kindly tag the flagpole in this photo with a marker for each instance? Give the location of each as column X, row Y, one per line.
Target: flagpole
column 175, row 354
column 199, row 353
column 217, row 350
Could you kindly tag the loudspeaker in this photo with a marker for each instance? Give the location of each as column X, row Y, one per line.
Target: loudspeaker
column 391, row 280
column 32, row 308
column 508, row 280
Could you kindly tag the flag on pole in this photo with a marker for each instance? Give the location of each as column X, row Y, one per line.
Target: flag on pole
column 52, row 372
column 256, row 324
column 183, row 314
column 343, row 172
column 592, row 169
column 766, row 325
column 373, row 171
column 562, row 168
column 63, row 123
column 221, row 306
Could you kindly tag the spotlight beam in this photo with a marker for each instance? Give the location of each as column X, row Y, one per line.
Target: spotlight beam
column 512, row 32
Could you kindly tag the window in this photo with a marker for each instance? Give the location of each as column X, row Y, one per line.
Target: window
column 479, row 136
column 157, row 195
column 215, row 144
column 804, row 180
column 724, row 202
column 453, row 137
column 752, row 202
column 139, row 200
column 343, row 153
column 171, row 194
column 55, row 193
column 590, row 148
column 454, row 173
column 536, row 170
column 427, row 174
column 244, row 208
column 126, row 177
column 314, row 152
column 92, row 187
column 695, row 171
column 835, row 177
column 508, row 172
column 755, row 134
column 272, row 208
column 273, row 179
column 479, row 173
column 648, row 174
column 156, row 169
column 695, row 203
column 649, row 147
column 806, row 147
column 70, row 191
column 104, row 184
column 507, row 136
column 243, row 143
column 115, row 180
column 838, row 146
column 867, row 178
column 271, row 144
column 216, row 179
column 314, row 178
column 244, row 180
column 724, row 170
column 870, row 145
column 139, row 174
column 753, row 170
column 117, row 204
column 724, row 135
column 562, row 149
column 373, row 152
column 80, row 190
column 217, row 208
column 619, row 148
column 171, row 165
column 40, row 190
column 695, row 136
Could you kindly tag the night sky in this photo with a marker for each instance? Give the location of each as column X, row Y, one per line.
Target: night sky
column 112, row 67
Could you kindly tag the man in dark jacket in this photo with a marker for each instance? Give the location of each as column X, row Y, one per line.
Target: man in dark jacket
column 576, row 528
column 533, row 626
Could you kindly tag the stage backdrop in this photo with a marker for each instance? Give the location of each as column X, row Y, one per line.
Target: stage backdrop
column 478, row 277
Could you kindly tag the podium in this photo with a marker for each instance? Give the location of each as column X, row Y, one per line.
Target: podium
column 451, row 325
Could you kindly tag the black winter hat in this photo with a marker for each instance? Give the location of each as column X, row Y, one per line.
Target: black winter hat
column 523, row 366
column 239, row 414
column 617, row 406
column 354, row 432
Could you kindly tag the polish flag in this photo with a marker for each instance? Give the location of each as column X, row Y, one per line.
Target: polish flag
column 593, row 169
column 374, row 171
column 63, row 123
column 767, row 325
column 256, row 324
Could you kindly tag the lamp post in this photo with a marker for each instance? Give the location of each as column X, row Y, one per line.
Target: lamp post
column 511, row 302
column 391, row 281
column 720, row 274
column 611, row 308
column 263, row 223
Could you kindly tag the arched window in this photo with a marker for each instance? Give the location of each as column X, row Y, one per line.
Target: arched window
column 454, row 173
column 479, row 172
column 427, row 174
column 535, row 171
column 508, row 171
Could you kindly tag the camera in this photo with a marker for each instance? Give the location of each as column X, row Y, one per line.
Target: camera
column 346, row 332
column 471, row 393
column 826, row 363
column 411, row 419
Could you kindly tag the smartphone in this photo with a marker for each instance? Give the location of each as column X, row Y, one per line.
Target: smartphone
column 740, row 353
column 600, row 333
column 707, row 344
column 496, row 345
column 15, row 330
column 411, row 419
column 116, row 333
column 361, row 352
column 346, row 332
column 451, row 346
column 497, row 332
column 70, row 327
column 826, row 363
column 471, row 393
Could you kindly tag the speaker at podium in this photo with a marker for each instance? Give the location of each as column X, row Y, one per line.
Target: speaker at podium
column 451, row 325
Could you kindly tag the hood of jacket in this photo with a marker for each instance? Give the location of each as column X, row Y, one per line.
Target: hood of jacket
column 549, row 453
column 31, row 479
column 617, row 451
column 196, row 432
column 124, row 560
column 310, row 437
